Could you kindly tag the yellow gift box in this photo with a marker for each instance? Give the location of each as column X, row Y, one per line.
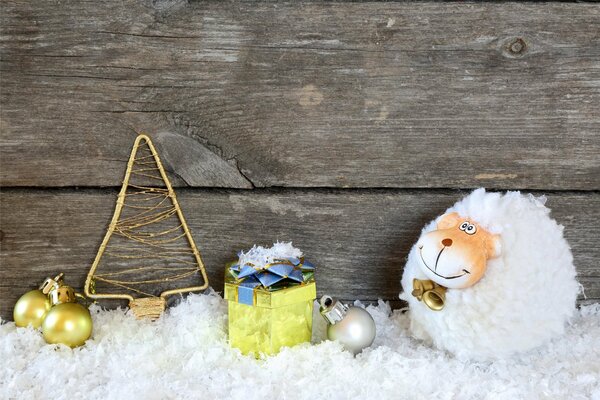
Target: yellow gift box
column 278, row 317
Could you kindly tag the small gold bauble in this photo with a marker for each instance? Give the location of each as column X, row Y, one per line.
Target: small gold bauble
column 67, row 323
column 31, row 308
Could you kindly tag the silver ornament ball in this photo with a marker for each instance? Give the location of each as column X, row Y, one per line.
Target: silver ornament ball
column 352, row 326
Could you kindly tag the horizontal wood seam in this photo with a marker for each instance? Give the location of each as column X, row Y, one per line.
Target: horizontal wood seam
column 316, row 189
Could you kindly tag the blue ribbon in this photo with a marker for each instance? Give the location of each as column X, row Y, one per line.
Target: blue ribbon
column 290, row 270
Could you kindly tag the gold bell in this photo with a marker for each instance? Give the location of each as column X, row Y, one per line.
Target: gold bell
column 67, row 322
column 430, row 293
column 31, row 308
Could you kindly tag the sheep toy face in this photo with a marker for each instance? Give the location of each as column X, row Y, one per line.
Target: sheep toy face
column 455, row 255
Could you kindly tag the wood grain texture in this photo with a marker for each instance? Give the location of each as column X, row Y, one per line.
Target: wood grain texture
column 358, row 239
column 361, row 95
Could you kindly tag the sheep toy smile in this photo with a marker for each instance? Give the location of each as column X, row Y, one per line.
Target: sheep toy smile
column 491, row 277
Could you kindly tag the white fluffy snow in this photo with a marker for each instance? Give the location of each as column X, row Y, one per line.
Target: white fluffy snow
column 259, row 255
column 185, row 355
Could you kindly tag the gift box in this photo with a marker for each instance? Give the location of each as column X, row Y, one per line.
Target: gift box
column 271, row 305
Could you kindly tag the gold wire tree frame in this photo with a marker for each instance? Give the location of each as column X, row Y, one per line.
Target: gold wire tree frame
column 150, row 306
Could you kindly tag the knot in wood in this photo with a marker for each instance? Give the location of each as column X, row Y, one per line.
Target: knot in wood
column 517, row 46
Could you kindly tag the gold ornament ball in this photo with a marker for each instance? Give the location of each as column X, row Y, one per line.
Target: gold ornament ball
column 31, row 308
column 67, row 323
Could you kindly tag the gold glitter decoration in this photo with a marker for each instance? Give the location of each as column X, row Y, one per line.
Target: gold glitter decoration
column 147, row 237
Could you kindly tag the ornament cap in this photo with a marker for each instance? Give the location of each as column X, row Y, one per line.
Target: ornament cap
column 332, row 310
column 62, row 293
column 50, row 284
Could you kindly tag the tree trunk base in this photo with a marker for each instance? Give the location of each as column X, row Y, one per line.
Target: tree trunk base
column 148, row 307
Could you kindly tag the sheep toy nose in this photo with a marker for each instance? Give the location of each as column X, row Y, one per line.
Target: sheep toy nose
column 447, row 242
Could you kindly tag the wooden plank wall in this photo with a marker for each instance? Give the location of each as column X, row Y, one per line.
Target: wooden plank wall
column 343, row 127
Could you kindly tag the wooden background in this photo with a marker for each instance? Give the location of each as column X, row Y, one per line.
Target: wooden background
column 343, row 127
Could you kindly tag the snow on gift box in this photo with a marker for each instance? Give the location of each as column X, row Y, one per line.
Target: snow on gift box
column 491, row 277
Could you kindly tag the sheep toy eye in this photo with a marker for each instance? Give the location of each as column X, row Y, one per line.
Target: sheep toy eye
column 464, row 226
column 471, row 229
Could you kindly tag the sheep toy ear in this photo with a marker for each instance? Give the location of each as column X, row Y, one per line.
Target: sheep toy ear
column 448, row 221
column 494, row 246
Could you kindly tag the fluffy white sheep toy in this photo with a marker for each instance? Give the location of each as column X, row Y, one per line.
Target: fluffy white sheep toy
column 491, row 277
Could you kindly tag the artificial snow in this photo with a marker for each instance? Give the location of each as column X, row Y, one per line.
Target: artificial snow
column 259, row 255
column 185, row 355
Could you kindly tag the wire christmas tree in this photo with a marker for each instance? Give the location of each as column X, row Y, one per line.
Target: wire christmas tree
column 148, row 251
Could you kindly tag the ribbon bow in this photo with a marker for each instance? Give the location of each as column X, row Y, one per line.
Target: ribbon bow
column 281, row 272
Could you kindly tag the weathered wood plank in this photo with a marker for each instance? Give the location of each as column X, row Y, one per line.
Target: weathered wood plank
column 358, row 239
column 238, row 95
